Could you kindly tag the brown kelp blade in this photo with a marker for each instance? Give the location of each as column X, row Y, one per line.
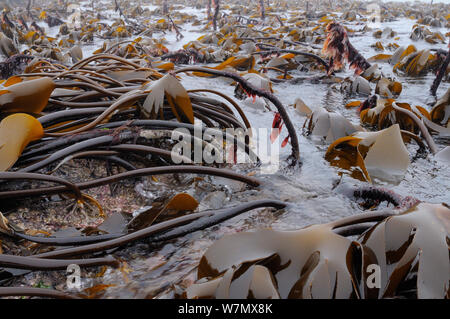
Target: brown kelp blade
column 170, row 209
column 440, row 113
column 26, row 96
column 414, row 244
column 309, row 263
column 366, row 154
column 168, row 86
column 16, row 131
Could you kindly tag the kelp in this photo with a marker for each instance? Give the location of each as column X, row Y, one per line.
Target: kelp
column 112, row 227
column 241, row 63
column 388, row 88
column 167, row 229
column 102, row 83
column 157, row 91
column 135, row 173
column 329, row 125
column 371, row 154
column 373, row 73
column 440, row 113
column 357, row 85
column 383, row 115
column 7, row 46
column 31, row 96
column 337, row 46
column 411, row 249
column 14, row 65
column 175, row 94
column 179, row 203
column 252, row 91
column 257, row 81
column 416, row 63
column 310, row 263
column 110, row 117
column 420, row 32
column 16, row 131
column 426, row 135
column 442, row 70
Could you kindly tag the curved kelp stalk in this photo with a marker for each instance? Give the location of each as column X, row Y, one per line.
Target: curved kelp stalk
column 32, row 263
column 440, row 74
column 131, row 174
column 271, row 50
column 111, row 134
column 251, row 90
column 166, row 230
column 34, row 292
column 141, row 227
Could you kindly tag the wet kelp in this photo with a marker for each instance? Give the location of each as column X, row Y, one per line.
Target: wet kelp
column 339, row 49
column 72, row 106
column 16, row 131
column 77, row 124
column 411, row 250
column 364, row 154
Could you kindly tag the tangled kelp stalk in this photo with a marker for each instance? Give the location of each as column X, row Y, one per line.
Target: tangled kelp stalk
column 80, row 131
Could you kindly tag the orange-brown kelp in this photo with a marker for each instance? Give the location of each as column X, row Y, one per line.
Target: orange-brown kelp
column 338, row 48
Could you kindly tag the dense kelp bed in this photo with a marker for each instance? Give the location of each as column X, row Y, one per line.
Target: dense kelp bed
column 355, row 99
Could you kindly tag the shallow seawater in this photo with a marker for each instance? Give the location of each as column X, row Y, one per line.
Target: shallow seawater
column 308, row 189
